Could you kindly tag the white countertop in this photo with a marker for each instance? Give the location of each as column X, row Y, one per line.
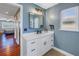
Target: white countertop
column 33, row 35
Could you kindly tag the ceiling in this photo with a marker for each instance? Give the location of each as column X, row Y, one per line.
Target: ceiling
column 8, row 9
column 46, row 5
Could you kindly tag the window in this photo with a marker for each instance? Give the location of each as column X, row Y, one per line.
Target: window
column 69, row 19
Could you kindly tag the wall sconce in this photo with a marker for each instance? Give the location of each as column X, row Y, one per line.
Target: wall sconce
column 37, row 11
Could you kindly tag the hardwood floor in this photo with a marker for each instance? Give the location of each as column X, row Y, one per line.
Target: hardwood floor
column 9, row 49
column 53, row 52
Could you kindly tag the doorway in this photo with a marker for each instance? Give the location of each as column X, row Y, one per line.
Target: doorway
column 10, row 19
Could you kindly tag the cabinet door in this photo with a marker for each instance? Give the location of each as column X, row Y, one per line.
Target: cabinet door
column 45, row 45
column 41, row 47
column 48, row 43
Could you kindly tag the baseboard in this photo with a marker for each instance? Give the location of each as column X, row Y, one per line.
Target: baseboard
column 63, row 52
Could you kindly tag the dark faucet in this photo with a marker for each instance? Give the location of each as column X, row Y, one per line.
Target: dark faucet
column 39, row 31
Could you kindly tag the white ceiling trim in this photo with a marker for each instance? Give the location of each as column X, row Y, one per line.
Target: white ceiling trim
column 46, row 5
column 8, row 9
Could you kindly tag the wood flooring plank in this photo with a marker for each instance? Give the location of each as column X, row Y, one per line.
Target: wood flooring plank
column 53, row 52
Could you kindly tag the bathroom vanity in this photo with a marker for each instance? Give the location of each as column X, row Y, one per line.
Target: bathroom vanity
column 38, row 44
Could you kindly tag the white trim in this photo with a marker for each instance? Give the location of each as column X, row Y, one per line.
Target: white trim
column 69, row 30
column 15, row 4
column 21, row 25
column 21, row 30
column 63, row 52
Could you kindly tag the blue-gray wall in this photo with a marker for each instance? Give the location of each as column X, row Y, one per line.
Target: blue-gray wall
column 28, row 7
column 65, row 40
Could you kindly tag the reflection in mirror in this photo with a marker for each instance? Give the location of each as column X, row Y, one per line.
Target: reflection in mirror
column 35, row 21
column 31, row 21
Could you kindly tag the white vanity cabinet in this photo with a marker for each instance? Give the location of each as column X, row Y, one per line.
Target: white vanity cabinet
column 38, row 44
column 32, row 47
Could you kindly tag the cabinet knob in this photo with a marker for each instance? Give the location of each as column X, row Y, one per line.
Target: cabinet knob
column 33, row 50
column 45, row 43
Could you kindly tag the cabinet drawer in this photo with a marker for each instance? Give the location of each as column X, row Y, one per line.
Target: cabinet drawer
column 32, row 43
column 48, row 38
column 31, row 51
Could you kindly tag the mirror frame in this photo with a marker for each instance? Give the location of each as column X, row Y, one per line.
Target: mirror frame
column 33, row 21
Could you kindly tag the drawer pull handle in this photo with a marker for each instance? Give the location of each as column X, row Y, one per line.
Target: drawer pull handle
column 52, row 45
column 32, row 42
column 33, row 50
column 45, row 43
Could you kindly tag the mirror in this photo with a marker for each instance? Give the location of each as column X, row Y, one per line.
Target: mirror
column 35, row 21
